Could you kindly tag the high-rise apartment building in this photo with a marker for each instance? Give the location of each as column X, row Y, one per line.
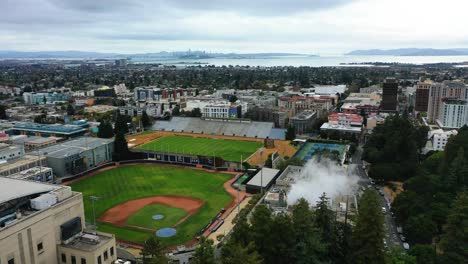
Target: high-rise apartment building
column 389, row 95
column 453, row 113
column 422, row 95
column 442, row 91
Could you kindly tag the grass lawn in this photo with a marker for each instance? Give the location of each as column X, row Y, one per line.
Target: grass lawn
column 230, row 150
column 119, row 185
column 144, row 216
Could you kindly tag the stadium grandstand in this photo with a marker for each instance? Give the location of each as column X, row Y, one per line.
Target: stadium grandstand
column 239, row 128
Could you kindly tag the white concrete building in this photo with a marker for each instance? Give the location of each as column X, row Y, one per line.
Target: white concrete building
column 43, row 224
column 453, row 114
column 437, row 139
column 9, row 152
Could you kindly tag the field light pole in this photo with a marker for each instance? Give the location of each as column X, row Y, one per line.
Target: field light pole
column 261, row 172
column 93, row 200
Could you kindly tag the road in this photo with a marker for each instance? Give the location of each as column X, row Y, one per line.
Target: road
column 355, row 166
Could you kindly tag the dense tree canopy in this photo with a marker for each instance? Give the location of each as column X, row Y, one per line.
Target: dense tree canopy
column 393, row 148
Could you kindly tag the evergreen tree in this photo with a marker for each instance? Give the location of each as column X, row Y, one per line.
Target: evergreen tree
column 153, row 252
column 454, row 242
column 145, row 119
column 234, row 253
column 280, row 240
column 121, row 151
column 398, row 256
column 425, row 254
column 204, row 253
column 105, row 129
column 324, row 221
column 290, row 133
column 368, row 234
column 70, row 110
column 3, row 112
column 121, row 125
column 307, row 249
column 458, row 172
column 261, row 229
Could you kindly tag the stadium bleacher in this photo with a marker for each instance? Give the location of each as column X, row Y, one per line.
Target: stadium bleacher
column 221, row 127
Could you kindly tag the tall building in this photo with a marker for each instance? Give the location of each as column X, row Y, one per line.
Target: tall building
column 44, row 223
column 422, row 96
column 389, row 95
column 444, row 90
column 453, row 113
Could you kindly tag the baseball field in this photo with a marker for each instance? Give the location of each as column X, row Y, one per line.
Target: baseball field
column 130, row 196
column 227, row 149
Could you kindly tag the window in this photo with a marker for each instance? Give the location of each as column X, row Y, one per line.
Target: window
column 106, row 256
column 83, row 261
column 73, row 259
column 40, row 247
column 11, row 261
column 64, row 258
column 99, row 260
column 112, row 251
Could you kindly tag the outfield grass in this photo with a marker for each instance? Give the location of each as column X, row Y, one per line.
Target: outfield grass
column 144, row 216
column 230, row 150
column 119, row 185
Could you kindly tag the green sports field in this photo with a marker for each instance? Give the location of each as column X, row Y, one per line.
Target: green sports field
column 230, row 150
column 119, row 185
column 143, row 217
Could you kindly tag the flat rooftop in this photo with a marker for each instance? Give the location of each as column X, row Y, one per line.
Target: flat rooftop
column 268, row 176
column 55, row 128
column 40, row 140
column 88, row 242
column 74, row 146
column 340, row 127
column 11, row 189
column 19, row 162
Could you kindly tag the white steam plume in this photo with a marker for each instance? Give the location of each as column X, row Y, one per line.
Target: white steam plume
column 321, row 176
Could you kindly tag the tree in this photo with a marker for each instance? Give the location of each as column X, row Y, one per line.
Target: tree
column 261, row 228
column 235, row 253
column 105, row 129
column 425, row 254
column 176, row 111
column 307, row 248
column 324, row 222
column 153, row 252
column 196, row 112
column 121, row 151
column 233, row 98
column 44, row 100
column 145, row 119
column 269, row 162
column 398, row 256
column 120, row 125
column 3, row 112
column 454, row 242
column 204, row 253
column 290, row 133
column 70, row 110
column 368, row 233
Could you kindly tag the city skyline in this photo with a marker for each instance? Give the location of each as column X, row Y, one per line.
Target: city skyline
column 310, row 27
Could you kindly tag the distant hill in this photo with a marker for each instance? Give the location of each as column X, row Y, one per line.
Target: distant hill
column 54, row 54
column 411, row 52
column 162, row 54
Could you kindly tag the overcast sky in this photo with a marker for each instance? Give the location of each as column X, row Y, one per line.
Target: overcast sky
column 302, row 26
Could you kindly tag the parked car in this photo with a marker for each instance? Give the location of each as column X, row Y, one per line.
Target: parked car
column 402, row 238
column 384, row 210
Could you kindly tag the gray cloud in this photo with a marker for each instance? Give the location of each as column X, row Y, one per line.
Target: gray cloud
column 257, row 7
